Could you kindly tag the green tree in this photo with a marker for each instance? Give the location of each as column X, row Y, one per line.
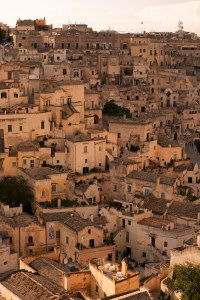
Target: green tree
column 15, row 191
column 2, row 35
column 186, row 280
column 112, row 109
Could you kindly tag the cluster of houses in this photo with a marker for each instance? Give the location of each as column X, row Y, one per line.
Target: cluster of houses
column 116, row 198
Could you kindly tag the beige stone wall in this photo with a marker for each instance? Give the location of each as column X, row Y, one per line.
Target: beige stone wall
column 8, row 261
column 39, row 240
column 187, row 255
column 93, row 192
column 95, row 155
column 105, row 284
column 31, row 127
column 130, row 283
column 80, row 281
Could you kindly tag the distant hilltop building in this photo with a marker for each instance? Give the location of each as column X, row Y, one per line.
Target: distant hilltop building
column 32, row 25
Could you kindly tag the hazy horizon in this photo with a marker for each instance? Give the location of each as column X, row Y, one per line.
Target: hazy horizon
column 162, row 15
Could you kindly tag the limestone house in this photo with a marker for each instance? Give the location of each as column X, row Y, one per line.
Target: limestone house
column 52, row 221
column 48, row 183
column 82, row 240
column 8, row 258
column 119, row 169
column 26, row 234
column 146, row 183
column 157, row 237
column 23, row 25
column 111, row 141
column 179, row 212
column 66, row 103
column 141, row 130
column 11, row 95
column 90, row 192
column 93, row 108
column 58, row 69
column 110, row 279
column 25, row 155
column 85, row 154
column 23, row 125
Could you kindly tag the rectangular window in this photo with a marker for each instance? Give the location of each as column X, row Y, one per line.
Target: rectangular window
column 13, row 164
column 85, row 160
column 15, row 95
column 144, row 254
column 58, row 234
column 53, row 187
column 24, row 161
column 76, row 45
column 58, row 161
column 11, row 241
column 97, row 289
column 129, row 222
column 67, row 240
column 129, row 188
column 42, row 124
column 68, row 45
column 43, row 194
column 9, row 128
column 85, row 149
column 115, row 188
column 64, row 71
column 119, row 135
column 189, row 179
column 30, row 239
column 127, row 237
column 165, row 244
column 20, row 128
column 32, row 163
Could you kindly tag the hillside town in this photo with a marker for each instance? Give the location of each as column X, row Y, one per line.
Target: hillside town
column 99, row 162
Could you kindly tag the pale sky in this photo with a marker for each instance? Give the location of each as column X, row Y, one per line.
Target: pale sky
column 124, row 15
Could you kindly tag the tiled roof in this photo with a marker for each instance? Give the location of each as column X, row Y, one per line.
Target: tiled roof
column 145, row 176
column 102, row 220
column 158, row 206
column 77, row 223
column 22, row 220
column 154, row 222
column 168, row 180
column 188, row 210
column 181, row 168
column 42, row 173
column 151, row 177
column 58, row 216
column 34, row 287
column 49, row 269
